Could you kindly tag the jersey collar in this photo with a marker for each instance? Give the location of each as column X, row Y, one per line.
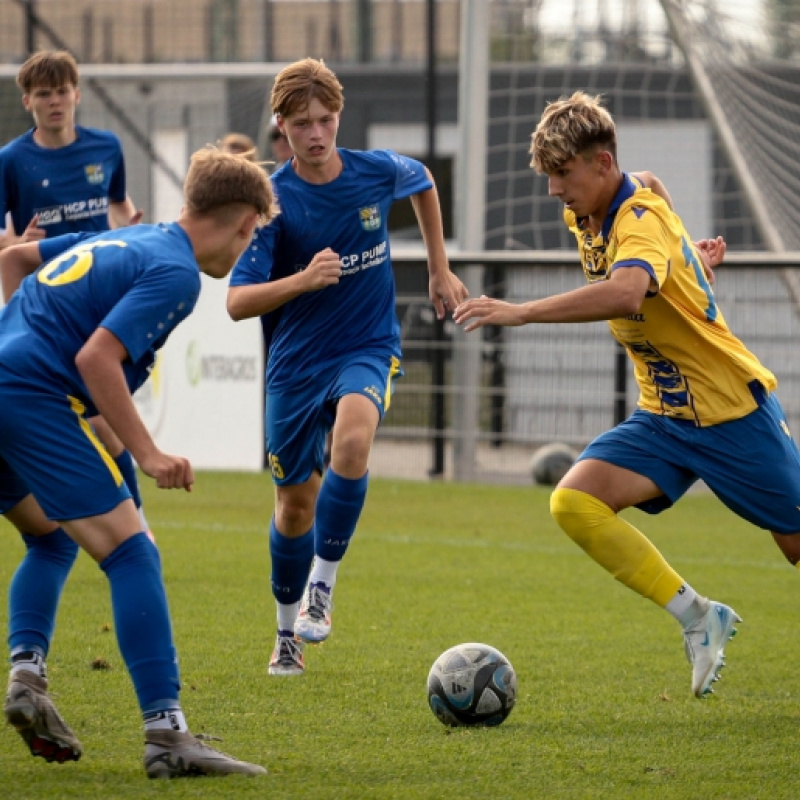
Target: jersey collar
column 177, row 230
column 626, row 190
column 628, row 186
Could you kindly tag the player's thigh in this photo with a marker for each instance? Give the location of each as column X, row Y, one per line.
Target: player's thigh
column 298, row 418
column 357, row 420
column 362, row 391
column 617, row 487
column 101, row 534
column 297, row 421
column 19, row 506
column 370, row 376
column 27, row 515
column 636, row 463
column 49, row 444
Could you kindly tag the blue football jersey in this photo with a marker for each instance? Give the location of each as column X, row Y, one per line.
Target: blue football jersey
column 138, row 282
column 70, row 187
column 349, row 215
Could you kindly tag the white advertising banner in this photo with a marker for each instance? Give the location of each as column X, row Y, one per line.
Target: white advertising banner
column 204, row 399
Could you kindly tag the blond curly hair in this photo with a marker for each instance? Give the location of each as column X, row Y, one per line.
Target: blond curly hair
column 571, row 126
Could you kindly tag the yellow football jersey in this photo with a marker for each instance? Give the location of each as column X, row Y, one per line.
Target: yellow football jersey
column 687, row 363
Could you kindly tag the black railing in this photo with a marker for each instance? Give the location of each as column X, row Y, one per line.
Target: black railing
column 568, row 382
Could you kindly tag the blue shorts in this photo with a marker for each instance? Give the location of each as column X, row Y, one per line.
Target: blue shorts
column 48, row 449
column 298, row 419
column 752, row 464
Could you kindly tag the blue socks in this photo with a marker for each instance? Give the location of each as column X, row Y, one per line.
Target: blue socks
column 291, row 561
column 141, row 615
column 339, row 506
column 141, row 621
column 35, row 590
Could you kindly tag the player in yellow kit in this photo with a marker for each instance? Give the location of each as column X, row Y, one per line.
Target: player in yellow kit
column 707, row 408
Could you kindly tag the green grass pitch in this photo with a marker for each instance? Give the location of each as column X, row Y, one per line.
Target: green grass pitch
column 604, row 708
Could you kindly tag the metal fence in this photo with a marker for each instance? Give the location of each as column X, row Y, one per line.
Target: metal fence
column 544, row 383
column 230, row 31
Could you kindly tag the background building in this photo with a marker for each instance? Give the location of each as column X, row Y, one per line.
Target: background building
column 705, row 94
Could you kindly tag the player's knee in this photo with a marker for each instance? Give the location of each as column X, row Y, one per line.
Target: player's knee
column 350, row 453
column 565, row 510
column 294, row 516
column 56, row 546
column 577, row 513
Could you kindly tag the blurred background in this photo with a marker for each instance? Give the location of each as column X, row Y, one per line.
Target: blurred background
column 706, row 94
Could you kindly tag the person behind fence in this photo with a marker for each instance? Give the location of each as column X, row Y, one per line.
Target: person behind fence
column 707, row 407
column 60, row 177
column 320, row 277
column 239, row 144
column 278, row 143
column 118, row 294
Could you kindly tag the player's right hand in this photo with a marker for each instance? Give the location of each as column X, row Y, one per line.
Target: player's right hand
column 483, row 310
column 325, row 269
column 169, row 472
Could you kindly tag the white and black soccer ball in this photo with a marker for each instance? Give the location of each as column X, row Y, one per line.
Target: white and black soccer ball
column 472, row 684
column 551, row 462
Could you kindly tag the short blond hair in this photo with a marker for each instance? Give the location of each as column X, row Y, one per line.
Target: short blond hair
column 297, row 84
column 571, row 126
column 218, row 183
column 47, row 69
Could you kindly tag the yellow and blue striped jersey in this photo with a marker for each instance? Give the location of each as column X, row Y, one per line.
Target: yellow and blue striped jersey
column 688, row 365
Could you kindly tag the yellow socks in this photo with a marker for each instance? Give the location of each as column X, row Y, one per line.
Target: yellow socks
column 615, row 544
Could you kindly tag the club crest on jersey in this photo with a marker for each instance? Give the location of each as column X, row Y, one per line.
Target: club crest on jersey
column 370, row 217
column 595, row 261
column 94, row 173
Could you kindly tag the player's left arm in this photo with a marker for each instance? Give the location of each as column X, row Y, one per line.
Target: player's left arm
column 24, row 258
column 444, row 287
column 99, row 363
column 124, row 213
column 17, row 262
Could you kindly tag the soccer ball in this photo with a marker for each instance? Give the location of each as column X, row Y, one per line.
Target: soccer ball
column 472, row 684
column 550, row 463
